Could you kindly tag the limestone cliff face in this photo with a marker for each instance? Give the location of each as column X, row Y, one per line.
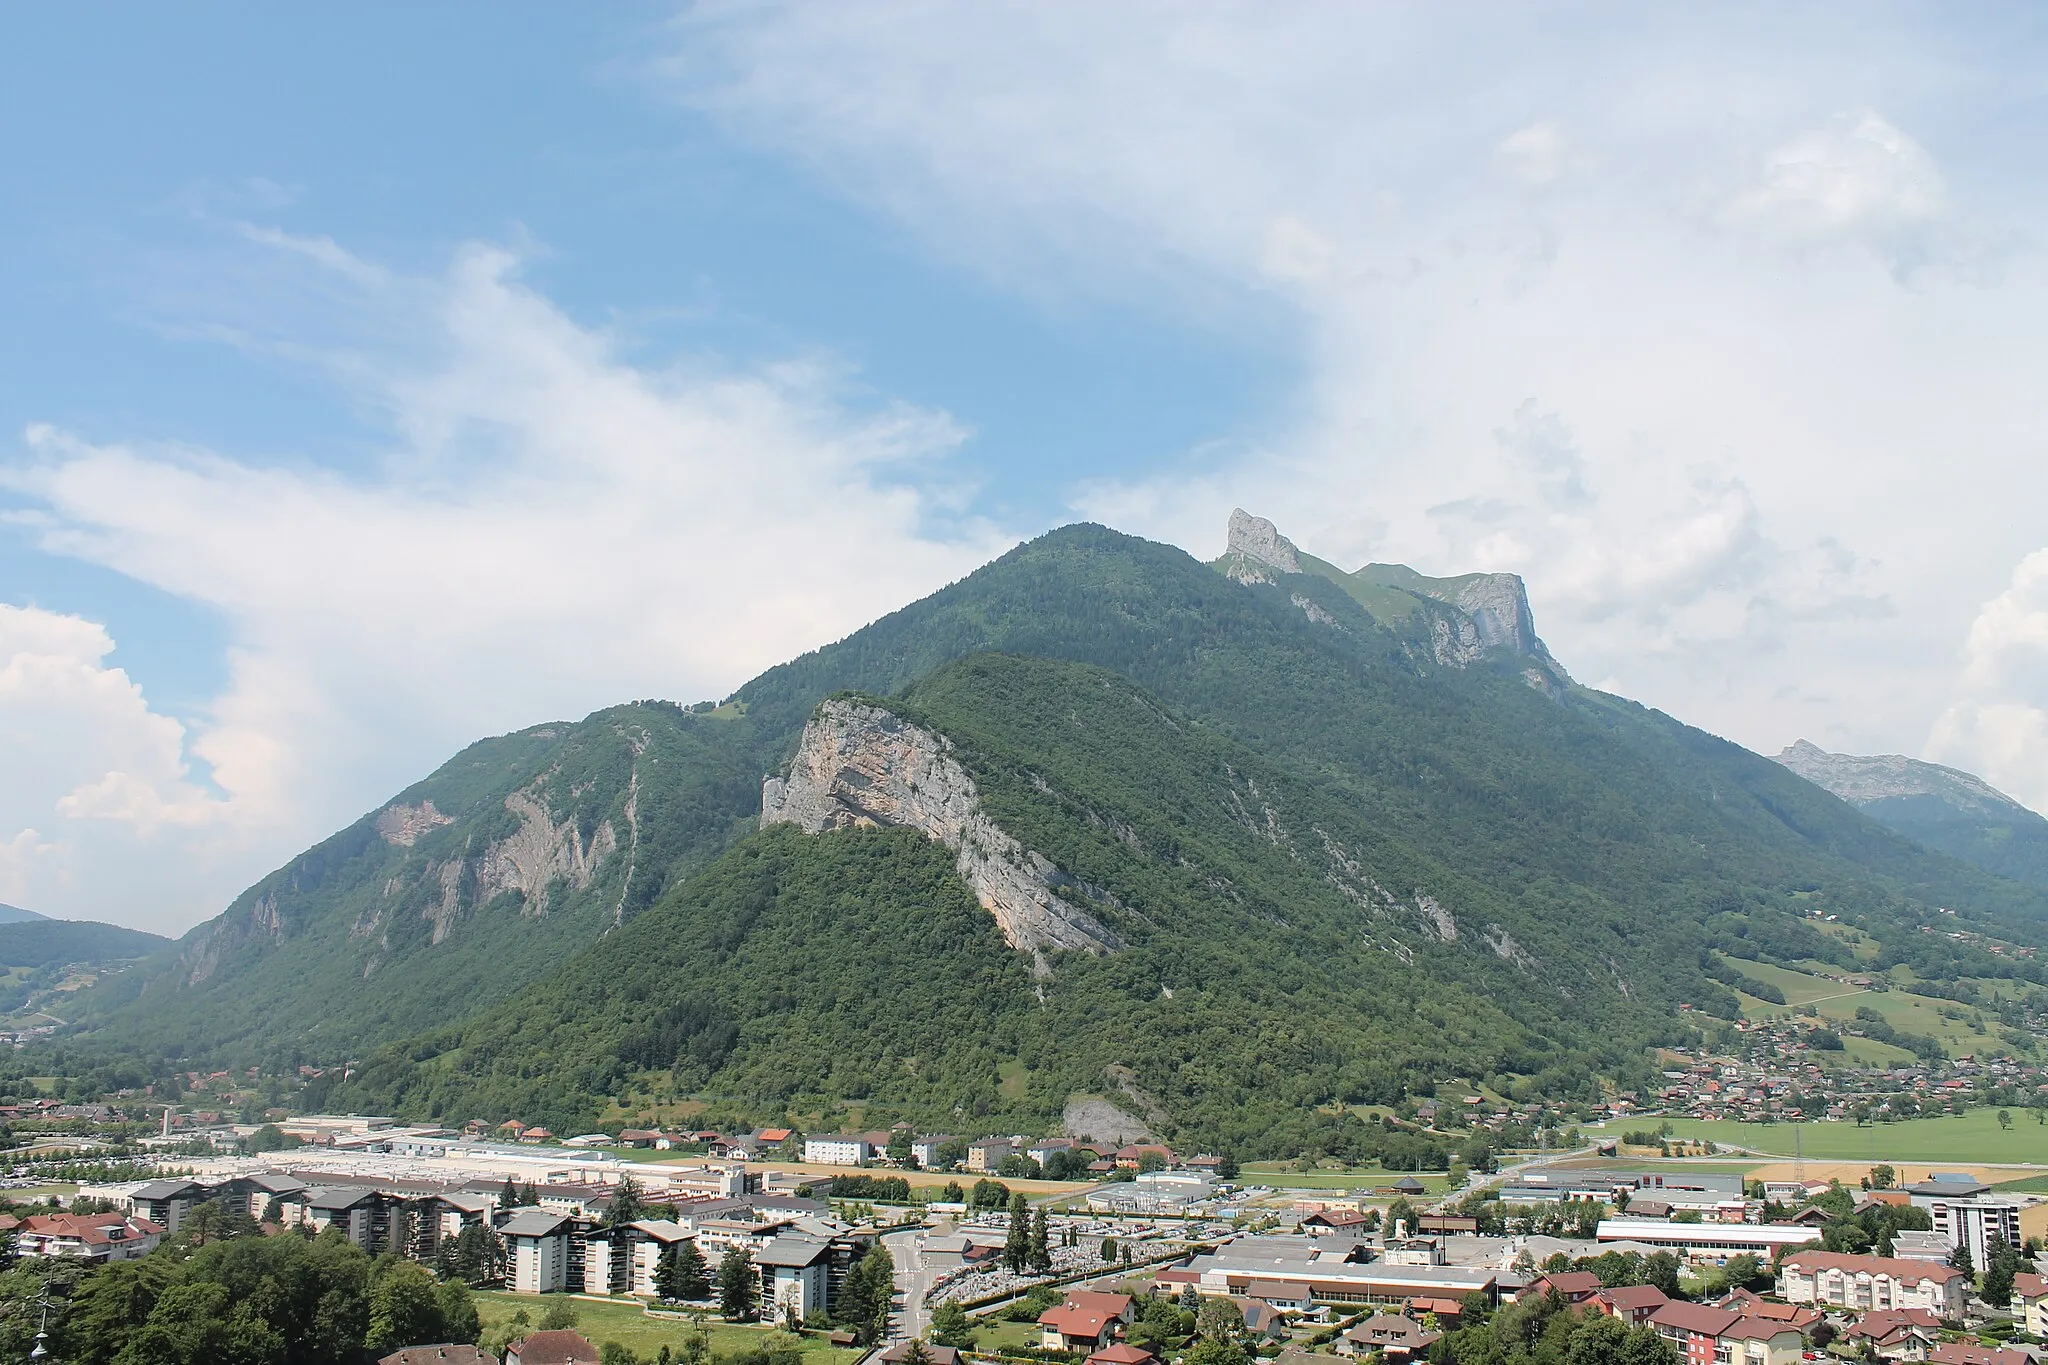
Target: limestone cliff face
column 1257, row 552
column 861, row 765
column 1861, row 780
column 1488, row 613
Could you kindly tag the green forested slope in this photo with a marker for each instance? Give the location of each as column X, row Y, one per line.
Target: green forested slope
column 1608, row 843
column 367, row 936
column 2012, row 844
column 1279, row 963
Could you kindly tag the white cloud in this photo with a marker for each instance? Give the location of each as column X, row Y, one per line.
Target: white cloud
column 93, row 773
column 1538, row 155
column 1855, row 174
column 553, row 530
column 1681, row 389
column 1997, row 725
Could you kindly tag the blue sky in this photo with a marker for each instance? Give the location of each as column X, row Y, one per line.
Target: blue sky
column 373, row 380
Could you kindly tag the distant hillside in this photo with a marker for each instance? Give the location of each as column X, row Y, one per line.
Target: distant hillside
column 44, row 958
column 53, row 942
column 1945, row 808
column 1256, row 852
column 14, row 914
column 513, row 855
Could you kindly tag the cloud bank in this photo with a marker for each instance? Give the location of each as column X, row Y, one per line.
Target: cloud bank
column 550, row 530
column 1719, row 326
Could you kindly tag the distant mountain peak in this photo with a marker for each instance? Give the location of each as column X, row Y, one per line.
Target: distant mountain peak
column 1861, row 779
column 1491, row 609
column 1255, row 544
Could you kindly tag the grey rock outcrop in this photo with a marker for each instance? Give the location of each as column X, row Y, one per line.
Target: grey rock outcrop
column 1257, row 551
column 1498, row 604
column 403, row 825
column 1861, row 780
column 859, row 764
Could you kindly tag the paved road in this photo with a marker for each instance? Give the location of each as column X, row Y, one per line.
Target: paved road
column 913, row 1279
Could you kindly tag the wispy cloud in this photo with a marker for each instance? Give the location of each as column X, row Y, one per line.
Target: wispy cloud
column 1710, row 323
column 549, row 529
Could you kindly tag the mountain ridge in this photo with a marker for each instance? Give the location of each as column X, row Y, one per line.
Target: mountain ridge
column 1947, row 809
column 1499, row 831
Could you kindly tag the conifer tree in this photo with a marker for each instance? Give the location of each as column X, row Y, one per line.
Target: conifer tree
column 1017, row 1246
column 739, row 1294
column 1040, row 1253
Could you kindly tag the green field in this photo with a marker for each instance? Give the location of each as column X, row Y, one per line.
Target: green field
column 624, row 1323
column 1974, row 1136
column 1834, row 1000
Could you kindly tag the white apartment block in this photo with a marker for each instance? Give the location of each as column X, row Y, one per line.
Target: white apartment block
column 1973, row 1223
column 837, row 1149
column 1862, row 1283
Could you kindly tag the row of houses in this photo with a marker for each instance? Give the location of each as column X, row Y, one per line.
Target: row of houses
column 561, row 1242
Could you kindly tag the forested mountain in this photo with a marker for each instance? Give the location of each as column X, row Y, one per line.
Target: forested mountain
column 14, row 914
column 516, row 853
column 41, row 957
column 1244, row 843
column 1944, row 808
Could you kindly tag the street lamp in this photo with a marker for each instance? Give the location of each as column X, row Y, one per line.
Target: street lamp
column 42, row 1350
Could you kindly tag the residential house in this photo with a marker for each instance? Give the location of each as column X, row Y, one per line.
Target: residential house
column 1131, row 1157
column 767, row 1138
column 1325, row 1221
column 1123, row 1353
column 1971, row 1353
column 1447, row 1312
column 1399, row 1338
column 537, row 1245
column 551, row 1348
column 1760, row 1341
column 837, row 1149
column 645, row 1137
column 1042, row 1150
column 1719, row 1336
column 795, row 1276
column 1287, row 1298
column 937, row 1355
column 1262, row 1321
column 1573, row 1286
column 1802, row 1316
column 94, row 1237
column 1894, row 1333
column 926, row 1149
column 2030, row 1303
column 1864, row 1282
column 1632, row 1303
column 449, row 1354
column 1693, row 1329
column 988, row 1155
column 1086, row 1321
